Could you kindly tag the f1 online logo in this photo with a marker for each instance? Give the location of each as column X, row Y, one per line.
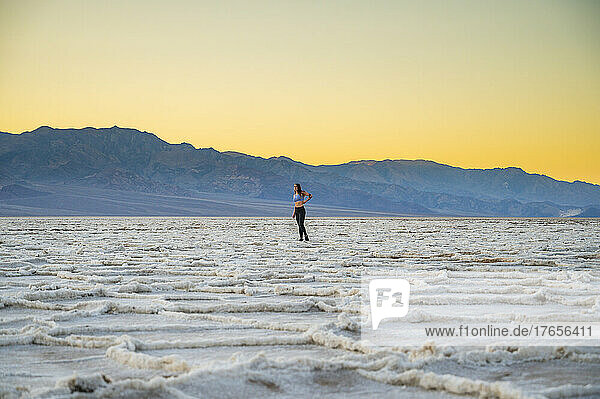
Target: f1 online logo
column 389, row 299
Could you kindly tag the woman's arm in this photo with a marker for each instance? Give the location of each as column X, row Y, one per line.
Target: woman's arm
column 309, row 196
column 294, row 212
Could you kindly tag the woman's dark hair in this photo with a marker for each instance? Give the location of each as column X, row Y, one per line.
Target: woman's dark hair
column 299, row 191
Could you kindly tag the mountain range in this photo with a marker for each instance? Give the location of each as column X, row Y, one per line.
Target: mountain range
column 120, row 171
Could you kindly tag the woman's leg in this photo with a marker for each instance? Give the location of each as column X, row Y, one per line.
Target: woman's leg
column 300, row 220
column 301, row 224
column 303, row 227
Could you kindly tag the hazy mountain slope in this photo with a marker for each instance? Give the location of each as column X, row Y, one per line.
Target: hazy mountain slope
column 13, row 191
column 61, row 200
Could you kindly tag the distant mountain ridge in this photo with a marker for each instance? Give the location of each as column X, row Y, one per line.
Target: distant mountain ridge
column 496, row 183
column 130, row 160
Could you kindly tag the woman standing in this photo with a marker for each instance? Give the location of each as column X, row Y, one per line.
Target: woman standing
column 299, row 211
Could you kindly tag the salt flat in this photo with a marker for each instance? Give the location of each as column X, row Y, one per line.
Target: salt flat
column 235, row 307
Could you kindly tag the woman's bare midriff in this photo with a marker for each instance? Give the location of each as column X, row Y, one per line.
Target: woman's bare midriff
column 299, row 204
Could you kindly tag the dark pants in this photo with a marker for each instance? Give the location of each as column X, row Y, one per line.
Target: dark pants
column 300, row 214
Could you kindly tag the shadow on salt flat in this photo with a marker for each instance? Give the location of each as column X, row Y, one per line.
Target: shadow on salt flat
column 38, row 367
column 299, row 383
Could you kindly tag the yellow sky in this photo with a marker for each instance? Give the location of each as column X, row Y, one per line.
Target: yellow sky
column 469, row 83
